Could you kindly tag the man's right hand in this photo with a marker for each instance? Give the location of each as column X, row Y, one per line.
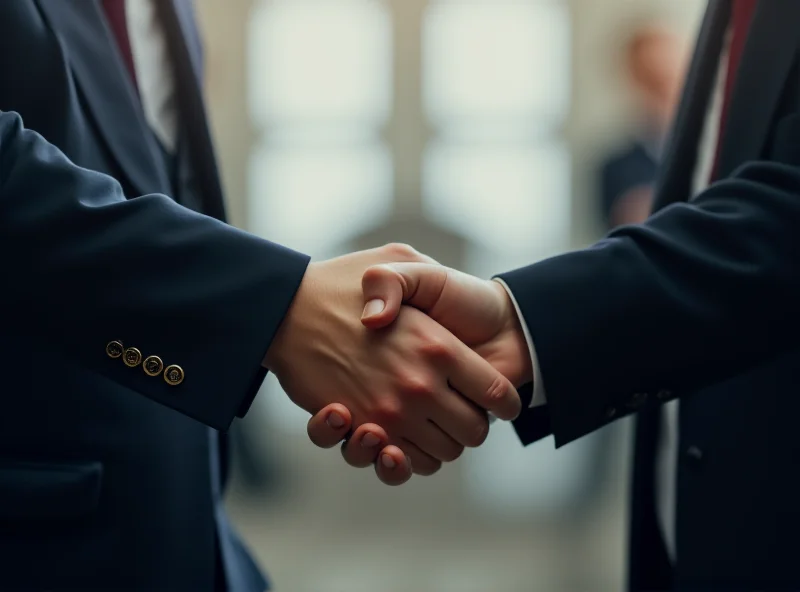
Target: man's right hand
column 478, row 312
column 427, row 390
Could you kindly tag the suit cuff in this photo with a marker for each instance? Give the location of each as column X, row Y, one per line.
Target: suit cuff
column 539, row 396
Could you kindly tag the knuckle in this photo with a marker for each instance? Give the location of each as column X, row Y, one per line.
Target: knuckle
column 416, row 386
column 401, row 251
column 436, row 349
column 373, row 273
column 388, row 412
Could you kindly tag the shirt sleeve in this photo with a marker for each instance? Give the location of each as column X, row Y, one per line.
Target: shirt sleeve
column 539, row 397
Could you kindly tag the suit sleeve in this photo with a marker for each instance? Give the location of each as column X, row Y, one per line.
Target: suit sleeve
column 699, row 293
column 85, row 267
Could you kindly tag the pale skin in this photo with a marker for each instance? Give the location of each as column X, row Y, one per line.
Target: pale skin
column 478, row 312
column 429, row 391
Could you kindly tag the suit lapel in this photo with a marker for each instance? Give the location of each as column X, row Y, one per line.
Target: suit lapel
column 187, row 32
column 675, row 178
column 185, row 47
column 110, row 95
column 769, row 52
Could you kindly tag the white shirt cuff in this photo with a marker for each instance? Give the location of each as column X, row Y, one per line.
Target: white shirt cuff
column 539, row 397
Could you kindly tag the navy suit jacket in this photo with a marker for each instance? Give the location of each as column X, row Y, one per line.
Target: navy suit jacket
column 111, row 478
column 700, row 303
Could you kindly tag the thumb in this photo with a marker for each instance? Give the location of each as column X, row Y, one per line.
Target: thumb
column 387, row 287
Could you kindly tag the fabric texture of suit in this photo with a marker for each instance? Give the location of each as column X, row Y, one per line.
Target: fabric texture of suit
column 110, row 478
column 700, row 302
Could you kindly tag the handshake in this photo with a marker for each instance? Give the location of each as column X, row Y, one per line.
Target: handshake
column 401, row 357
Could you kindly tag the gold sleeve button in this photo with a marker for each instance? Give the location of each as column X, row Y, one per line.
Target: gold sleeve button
column 132, row 357
column 153, row 365
column 114, row 349
column 173, row 375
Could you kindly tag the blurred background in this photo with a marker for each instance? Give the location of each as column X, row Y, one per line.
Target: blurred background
column 488, row 134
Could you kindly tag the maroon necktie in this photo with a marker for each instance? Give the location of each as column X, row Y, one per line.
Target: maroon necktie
column 115, row 15
column 741, row 17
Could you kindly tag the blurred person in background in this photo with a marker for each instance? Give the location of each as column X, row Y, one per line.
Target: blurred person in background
column 653, row 66
column 136, row 326
column 689, row 320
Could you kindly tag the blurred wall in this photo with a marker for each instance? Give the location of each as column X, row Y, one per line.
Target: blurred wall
column 600, row 111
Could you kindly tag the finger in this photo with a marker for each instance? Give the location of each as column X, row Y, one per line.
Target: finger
column 330, row 425
column 386, row 287
column 462, row 420
column 393, row 467
column 364, row 446
column 422, row 463
column 478, row 381
column 430, row 438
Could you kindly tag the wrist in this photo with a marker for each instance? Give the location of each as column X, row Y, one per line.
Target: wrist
column 518, row 344
column 273, row 359
column 278, row 353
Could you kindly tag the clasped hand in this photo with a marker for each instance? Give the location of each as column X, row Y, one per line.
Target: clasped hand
column 410, row 354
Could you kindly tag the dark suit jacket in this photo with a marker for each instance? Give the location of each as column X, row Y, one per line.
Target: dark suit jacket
column 109, row 478
column 701, row 303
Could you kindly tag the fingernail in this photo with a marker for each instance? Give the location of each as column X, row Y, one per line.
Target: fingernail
column 370, row 441
column 373, row 307
column 388, row 461
column 335, row 420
